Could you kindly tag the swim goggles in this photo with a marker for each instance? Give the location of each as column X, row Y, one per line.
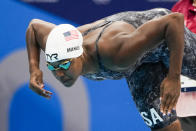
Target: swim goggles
column 64, row 65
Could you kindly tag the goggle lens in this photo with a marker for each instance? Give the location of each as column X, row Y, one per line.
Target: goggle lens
column 65, row 65
column 50, row 67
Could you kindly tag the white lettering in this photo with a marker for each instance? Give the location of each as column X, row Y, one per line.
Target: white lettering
column 146, row 120
column 155, row 116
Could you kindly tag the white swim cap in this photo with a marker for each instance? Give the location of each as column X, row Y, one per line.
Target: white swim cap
column 63, row 42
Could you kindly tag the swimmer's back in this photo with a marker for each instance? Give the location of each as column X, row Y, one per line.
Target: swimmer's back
column 137, row 18
column 133, row 19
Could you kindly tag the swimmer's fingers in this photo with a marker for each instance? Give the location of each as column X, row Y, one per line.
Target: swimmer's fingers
column 167, row 99
column 163, row 104
column 171, row 91
column 36, row 84
column 168, row 104
column 39, row 89
column 173, row 96
column 161, row 96
column 172, row 105
column 166, row 95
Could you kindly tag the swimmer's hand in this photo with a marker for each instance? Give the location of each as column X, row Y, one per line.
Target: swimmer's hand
column 169, row 92
column 37, row 85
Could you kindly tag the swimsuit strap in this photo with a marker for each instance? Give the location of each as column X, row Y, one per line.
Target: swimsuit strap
column 101, row 66
column 95, row 27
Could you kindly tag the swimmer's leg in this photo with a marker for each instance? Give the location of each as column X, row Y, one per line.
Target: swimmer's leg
column 175, row 126
column 144, row 85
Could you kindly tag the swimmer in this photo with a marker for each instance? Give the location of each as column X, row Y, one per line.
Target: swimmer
column 150, row 49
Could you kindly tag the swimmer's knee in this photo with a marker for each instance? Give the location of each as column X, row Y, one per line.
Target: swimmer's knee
column 174, row 126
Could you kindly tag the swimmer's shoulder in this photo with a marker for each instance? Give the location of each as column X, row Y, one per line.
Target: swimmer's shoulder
column 117, row 28
column 90, row 25
column 113, row 32
column 111, row 41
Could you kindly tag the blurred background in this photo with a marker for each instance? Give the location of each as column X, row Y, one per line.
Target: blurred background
column 88, row 105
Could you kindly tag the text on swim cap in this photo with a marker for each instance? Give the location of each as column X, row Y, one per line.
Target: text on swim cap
column 73, row 49
column 52, row 56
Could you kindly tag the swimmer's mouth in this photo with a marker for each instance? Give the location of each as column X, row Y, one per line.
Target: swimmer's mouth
column 65, row 81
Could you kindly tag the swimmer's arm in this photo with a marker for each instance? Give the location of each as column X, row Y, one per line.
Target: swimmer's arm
column 36, row 36
column 133, row 45
column 145, row 38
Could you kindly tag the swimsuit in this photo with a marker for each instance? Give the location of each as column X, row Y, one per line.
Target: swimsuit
column 145, row 76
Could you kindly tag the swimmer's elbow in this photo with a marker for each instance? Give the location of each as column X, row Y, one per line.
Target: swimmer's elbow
column 30, row 32
column 34, row 21
column 31, row 26
column 31, row 40
column 177, row 16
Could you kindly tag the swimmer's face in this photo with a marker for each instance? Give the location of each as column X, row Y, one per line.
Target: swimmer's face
column 69, row 76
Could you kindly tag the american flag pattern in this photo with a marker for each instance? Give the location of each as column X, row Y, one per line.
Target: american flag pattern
column 71, row 35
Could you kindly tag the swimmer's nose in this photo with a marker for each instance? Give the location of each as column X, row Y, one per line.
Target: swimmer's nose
column 59, row 73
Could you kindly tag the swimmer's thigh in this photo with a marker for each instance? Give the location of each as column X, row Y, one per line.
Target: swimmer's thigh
column 144, row 85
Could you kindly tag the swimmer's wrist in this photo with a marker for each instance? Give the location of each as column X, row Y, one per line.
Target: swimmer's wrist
column 174, row 76
column 33, row 65
column 33, row 69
